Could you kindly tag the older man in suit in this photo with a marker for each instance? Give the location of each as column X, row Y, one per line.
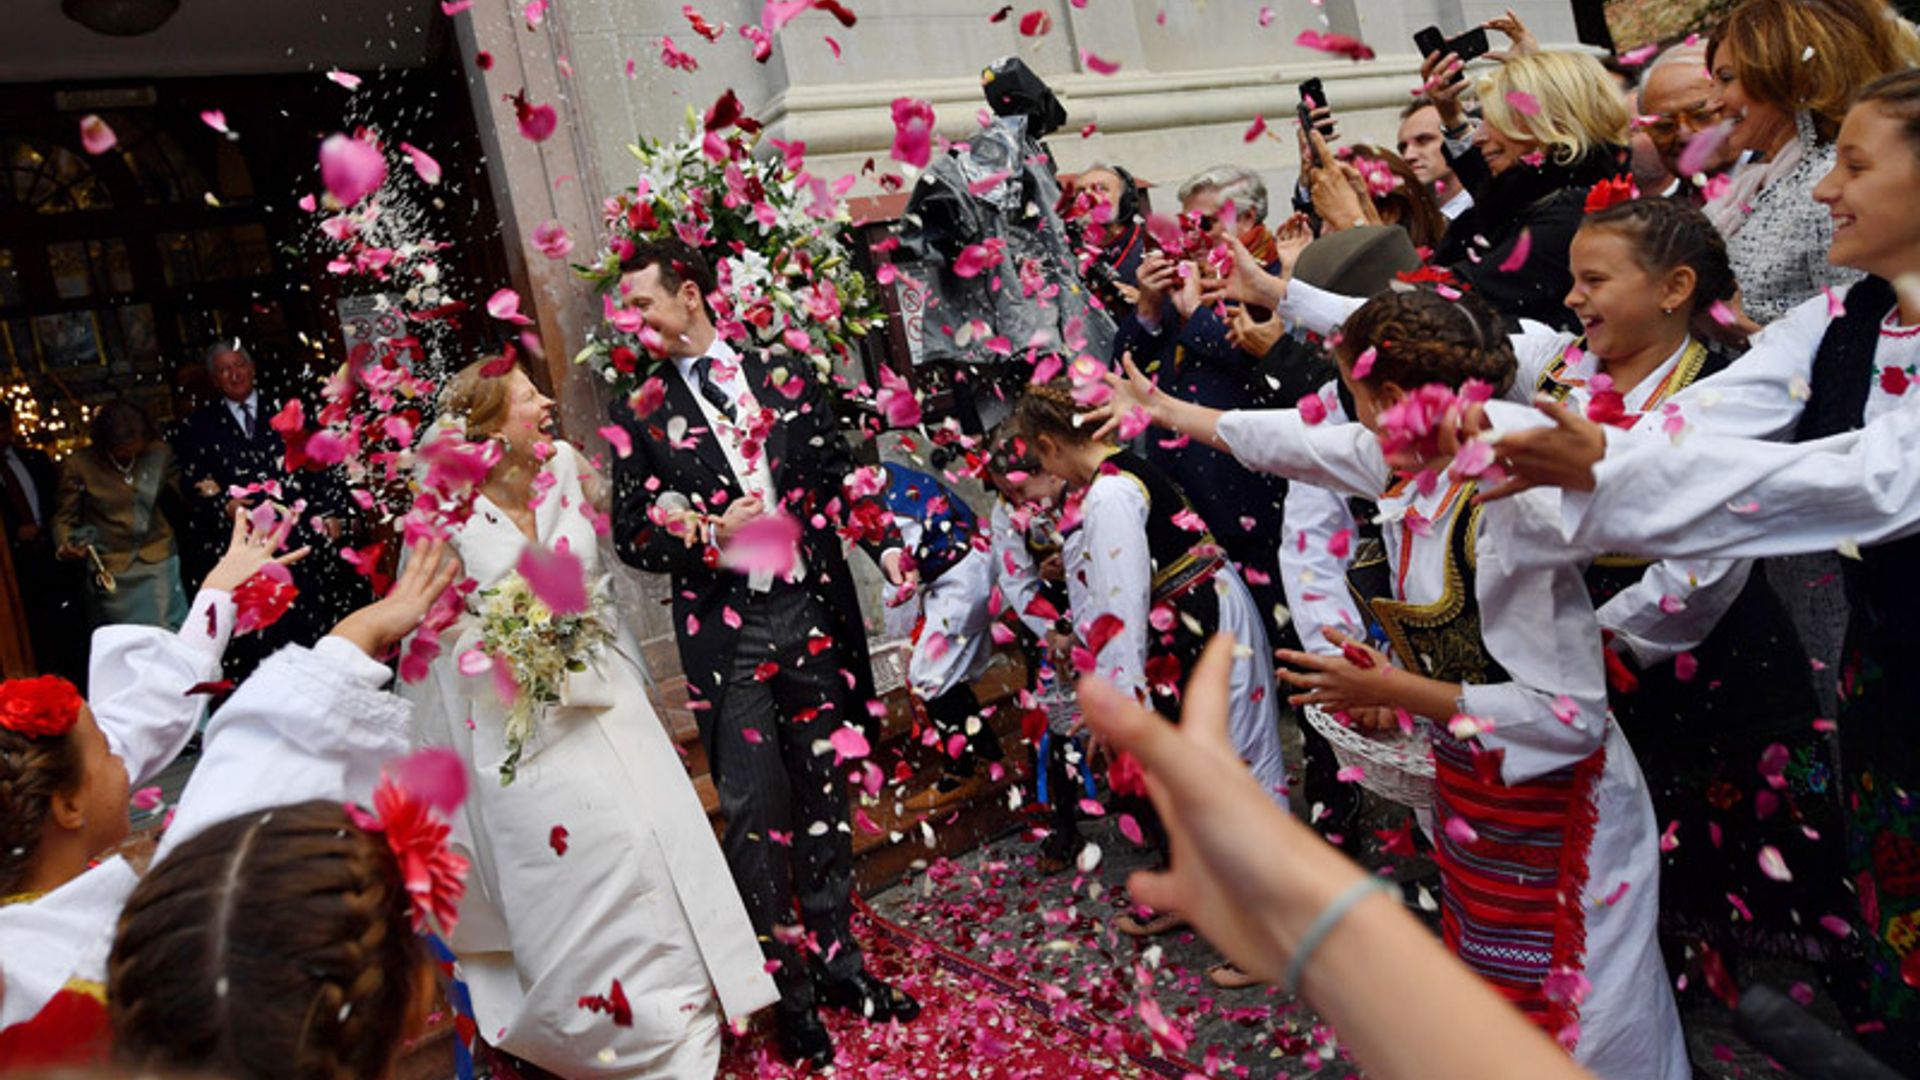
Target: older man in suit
column 230, row 446
column 776, row 662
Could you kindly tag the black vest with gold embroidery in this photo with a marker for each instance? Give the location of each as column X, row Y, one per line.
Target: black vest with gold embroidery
column 1440, row 640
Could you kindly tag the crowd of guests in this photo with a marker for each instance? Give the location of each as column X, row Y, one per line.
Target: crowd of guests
column 1653, row 758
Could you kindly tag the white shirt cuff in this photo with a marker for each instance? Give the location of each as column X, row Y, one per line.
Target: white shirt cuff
column 209, row 624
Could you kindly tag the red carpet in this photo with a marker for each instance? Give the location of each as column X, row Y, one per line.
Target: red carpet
column 973, row 1023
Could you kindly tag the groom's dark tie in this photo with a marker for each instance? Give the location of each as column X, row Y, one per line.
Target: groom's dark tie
column 703, row 378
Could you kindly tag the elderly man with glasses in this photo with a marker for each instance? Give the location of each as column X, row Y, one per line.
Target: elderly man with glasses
column 1677, row 105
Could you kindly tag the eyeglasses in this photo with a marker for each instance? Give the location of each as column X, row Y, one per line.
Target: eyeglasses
column 1698, row 118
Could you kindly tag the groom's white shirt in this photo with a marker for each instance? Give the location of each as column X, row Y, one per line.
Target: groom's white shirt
column 754, row 477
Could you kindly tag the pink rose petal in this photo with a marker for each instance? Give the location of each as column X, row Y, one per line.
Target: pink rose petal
column 423, row 163
column 435, row 776
column 556, row 577
column 505, row 306
column 912, row 131
column 848, row 742
column 95, row 135
column 351, row 168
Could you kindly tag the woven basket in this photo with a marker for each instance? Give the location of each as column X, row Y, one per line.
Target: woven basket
column 1393, row 765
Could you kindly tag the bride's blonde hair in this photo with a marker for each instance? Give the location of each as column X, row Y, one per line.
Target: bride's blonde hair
column 478, row 400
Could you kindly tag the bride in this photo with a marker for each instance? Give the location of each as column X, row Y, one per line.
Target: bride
column 595, row 868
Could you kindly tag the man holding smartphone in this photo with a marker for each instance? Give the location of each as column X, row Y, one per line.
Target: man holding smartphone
column 1420, row 141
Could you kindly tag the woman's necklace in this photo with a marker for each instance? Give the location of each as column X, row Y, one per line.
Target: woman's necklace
column 126, row 471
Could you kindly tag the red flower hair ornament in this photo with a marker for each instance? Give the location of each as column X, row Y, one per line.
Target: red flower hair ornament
column 46, row 705
column 409, row 792
column 1611, row 192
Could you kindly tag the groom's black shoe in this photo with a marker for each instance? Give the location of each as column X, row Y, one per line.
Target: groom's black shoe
column 869, row 997
column 803, row 1038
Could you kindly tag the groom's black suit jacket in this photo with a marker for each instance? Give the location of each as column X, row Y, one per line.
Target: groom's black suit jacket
column 808, row 459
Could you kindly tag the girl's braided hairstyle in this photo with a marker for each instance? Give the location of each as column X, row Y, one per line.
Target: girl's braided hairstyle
column 275, row 944
column 1419, row 336
column 1049, row 408
column 1667, row 235
column 33, row 769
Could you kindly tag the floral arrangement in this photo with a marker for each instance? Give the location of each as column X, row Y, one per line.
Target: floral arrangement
column 773, row 232
column 41, row 706
column 531, row 649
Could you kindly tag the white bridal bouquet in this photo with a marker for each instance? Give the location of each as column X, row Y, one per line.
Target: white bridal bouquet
column 531, row 651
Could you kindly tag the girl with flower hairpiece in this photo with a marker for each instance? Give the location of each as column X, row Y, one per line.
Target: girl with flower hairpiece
column 287, row 942
column 308, row 723
column 1544, row 834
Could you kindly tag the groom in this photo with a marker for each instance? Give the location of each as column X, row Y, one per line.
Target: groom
column 775, row 662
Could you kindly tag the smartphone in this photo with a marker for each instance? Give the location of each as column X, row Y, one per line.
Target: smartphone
column 1430, row 41
column 1305, row 112
column 1314, row 96
column 1469, row 46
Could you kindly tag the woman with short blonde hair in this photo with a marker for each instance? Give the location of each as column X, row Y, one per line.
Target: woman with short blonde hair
column 1564, row 104
column 1554, row 125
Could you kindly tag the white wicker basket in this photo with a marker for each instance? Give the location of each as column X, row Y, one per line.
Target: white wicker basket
column 1394, row 765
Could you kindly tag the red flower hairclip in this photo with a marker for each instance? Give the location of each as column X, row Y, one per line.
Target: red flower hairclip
column 41, row 706
column 1429, row 275
column 403, row 806
column 1611, row 192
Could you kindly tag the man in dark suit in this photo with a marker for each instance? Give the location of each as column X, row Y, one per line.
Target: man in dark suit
column 49, row 589
column 775, row 662
column 232, row 444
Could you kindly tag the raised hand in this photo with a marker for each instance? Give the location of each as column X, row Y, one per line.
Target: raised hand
column 1356, row 678
column 1437, row 83
column 1255, row 337
column 431, row 568
column 1130, row 390
column 1248, row 281
column 1522, row 40
column 249, row 549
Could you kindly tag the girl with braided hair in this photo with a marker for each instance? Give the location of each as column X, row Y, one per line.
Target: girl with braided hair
column 1148, row 585
column 1544, row 834
column 277, row 943
column 310, row 723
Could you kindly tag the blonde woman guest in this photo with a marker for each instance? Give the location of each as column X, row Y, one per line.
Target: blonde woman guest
column 597, row 862
column 1552, row 126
